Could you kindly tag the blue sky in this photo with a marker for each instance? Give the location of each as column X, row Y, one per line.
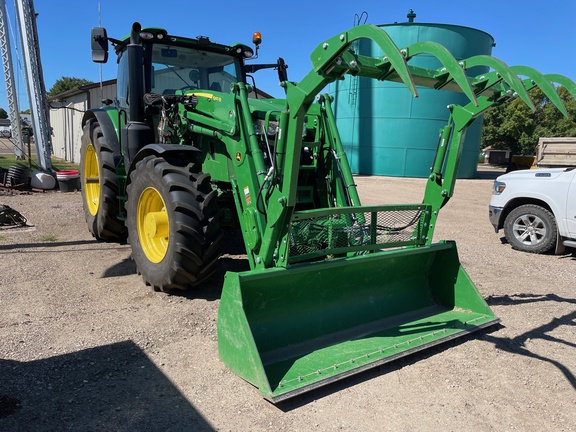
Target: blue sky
column 532, row 32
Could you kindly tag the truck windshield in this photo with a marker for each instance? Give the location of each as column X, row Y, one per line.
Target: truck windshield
column 181, row 68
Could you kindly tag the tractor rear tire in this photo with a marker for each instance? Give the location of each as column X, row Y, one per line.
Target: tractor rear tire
column 173, row 224
column 100, row 186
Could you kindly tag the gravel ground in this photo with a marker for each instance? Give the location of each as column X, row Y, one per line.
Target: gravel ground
column 86, row 346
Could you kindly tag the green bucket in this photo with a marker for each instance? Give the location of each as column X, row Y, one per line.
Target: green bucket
column 288, row 331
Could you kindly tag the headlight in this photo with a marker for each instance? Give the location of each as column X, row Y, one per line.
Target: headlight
column 498, row 187
column 146, row 35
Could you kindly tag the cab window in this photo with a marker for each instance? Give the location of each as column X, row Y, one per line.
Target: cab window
column 182, row 68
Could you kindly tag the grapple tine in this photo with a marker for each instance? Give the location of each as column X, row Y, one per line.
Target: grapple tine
column 330, row 50
column 536, row 79
column 563, row 81
column 504, row 71
column 449, row 63
column 393, row 55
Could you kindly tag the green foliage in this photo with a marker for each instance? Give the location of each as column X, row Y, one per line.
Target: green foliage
column 67, row 83
column 8, row 160
column 48, row 238
column 3, row 114
column 25, row 111
column 516, row 127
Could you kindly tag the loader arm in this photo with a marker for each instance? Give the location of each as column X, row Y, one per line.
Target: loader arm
column 335, row 58
column 340, row 289
column 267, row 229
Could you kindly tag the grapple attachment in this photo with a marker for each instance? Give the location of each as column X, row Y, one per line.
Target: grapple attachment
column 337, row 290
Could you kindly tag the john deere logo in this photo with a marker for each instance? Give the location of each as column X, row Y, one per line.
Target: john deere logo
column 209, row 96
column 238, row 156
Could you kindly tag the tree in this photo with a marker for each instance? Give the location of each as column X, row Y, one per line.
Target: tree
column 3, row 114
column 67, row 83
column 516, row 127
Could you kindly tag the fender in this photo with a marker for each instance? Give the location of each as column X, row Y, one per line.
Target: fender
column 108, row 120
column 183, row 152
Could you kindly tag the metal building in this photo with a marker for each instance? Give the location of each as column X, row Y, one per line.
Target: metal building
column 66, row 112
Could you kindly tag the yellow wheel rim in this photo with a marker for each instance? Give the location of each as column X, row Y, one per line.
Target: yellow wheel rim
column 91, row 180
column 153, row 225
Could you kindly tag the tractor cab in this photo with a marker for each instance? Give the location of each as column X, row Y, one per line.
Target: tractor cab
column 174, row 65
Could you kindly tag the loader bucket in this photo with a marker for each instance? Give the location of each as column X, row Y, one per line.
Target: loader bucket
column 290, row 330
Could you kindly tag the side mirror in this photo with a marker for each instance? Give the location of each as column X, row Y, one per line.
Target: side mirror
column 99, row 42
column 282, row 66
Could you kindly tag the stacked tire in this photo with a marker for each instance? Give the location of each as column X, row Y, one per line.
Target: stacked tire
column 17, row 177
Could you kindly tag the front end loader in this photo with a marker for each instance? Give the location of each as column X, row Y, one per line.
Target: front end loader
column 334, row 287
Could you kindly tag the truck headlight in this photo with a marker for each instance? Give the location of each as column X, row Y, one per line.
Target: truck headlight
column 498, row 187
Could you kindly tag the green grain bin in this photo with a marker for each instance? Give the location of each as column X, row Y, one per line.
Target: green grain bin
column 385, row 131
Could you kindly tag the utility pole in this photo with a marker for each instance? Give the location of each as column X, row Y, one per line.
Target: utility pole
column 15, row 125
column 35, row 82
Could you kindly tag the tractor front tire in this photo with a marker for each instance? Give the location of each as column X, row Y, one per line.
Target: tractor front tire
column 100, row 186
column 173, row 224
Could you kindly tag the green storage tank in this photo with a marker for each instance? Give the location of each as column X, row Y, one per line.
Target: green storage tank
column 385, row 130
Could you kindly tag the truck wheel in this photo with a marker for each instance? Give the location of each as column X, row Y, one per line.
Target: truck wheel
column 173, row 224
column 100, row 186
column 531, row 228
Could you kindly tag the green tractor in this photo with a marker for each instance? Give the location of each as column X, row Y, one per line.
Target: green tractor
column 334, row 287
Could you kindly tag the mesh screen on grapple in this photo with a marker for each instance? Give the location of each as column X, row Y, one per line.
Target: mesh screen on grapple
column 368, row 229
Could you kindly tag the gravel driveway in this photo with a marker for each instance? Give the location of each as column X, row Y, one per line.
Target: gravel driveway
column 86, row 346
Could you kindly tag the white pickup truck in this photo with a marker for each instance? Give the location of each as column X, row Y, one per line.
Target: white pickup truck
column 536, row 208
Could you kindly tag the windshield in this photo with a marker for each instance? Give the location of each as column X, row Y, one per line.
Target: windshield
column 180, row 68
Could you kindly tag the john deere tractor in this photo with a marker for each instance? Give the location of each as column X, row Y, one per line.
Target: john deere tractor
column 334, row 287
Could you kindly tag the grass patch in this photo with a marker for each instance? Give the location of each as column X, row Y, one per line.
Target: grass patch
column 8, row 160
column 48, row 238
column 2, row 237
